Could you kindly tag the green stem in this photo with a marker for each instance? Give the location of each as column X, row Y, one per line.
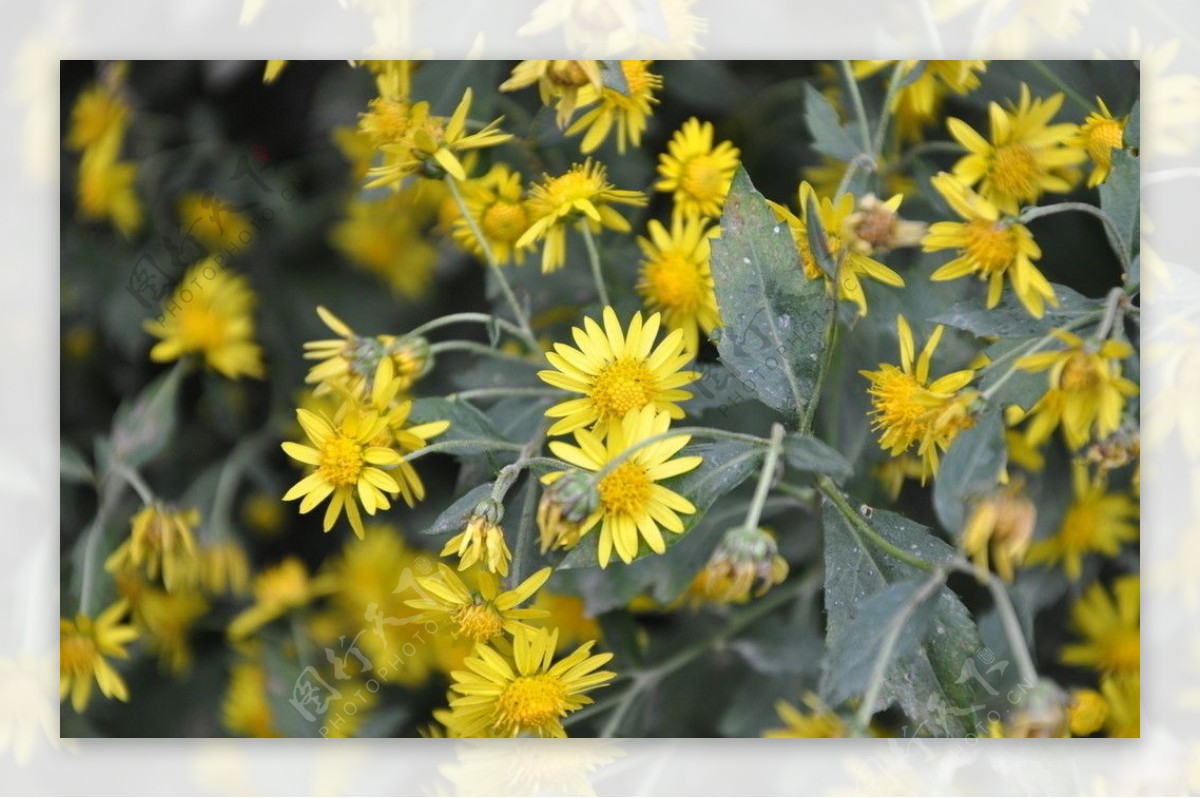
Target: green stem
column 480, row 318
column 704, row 432
column 831, row 338
column 885, row 112
column 765, row 478
column 1058, row 82
column 1112, row 309
column 860, row 110
column 1116, row 241
column 524, row 527
column 110, row 494
column 227, row 483
column 490, row 257
column 847, row 176
column 1012, row 627
column 485, row 444
column 486, row 393
column 856, row 521
column 589, row 242
column 474, row 348
column 131, row 476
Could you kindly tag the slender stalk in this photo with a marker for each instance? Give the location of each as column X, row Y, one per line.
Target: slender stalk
column 487, row 393
column 110, row 495
column 831, row 492
column 885, row 112
column 1027, row 349
column 831, row 338
column 474, row 348
column 525, row 525
column 130, row 475
column 847, row 176
column 480, row 318
column 765, row 477
column 589, row 241
column 705, row 432
column 1012, row 629
column 227, row 483
column 489, row 444
column 1117, row 242
column 860, row 110
column 1112, row 309
column 490, row 257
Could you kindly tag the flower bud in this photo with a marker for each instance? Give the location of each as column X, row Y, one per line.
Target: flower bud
column 1042, row 712
column 564, row 506
column 999, row 530
column 745, row 555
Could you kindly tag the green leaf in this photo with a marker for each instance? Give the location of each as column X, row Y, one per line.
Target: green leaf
column 854, row 654
column 971, row 469
column 830, row 137
column 142, row 428
column 927, row 687
column 467, row 422
column 1133, row 128
column 454, row 518
column 1022, row 388
column 1010, row 319
column 726, row 465
column 773, row 315
column 1120, row 198
column 612, row 76
column 72, row 467
column 806, row 453
column 818, row 240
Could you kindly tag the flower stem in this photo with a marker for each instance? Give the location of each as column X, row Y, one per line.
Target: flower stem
column 487, row 393
column 589, row 242
column 1116, row 241
column 475, row 348
column 525, row 525
column 765, row 477
column 858, row 523
column 702, row 432
column 1012, row 628
column 481, row 318
column 831, row 340
column 860, row 110
column 484, row 444
column 1059, row 84
column 1112, row 309
column 885, row 112
column 1026, row 349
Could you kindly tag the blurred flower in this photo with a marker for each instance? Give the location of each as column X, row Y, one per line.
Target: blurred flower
column 1110, row 625
column 633, row 505
column 384, row 237
column 743, row 557
column 833, row 220
column 482, row 540
column 246, row 709
column 83, row 648
column 1123, row 694
column 99, row 113
column 525, row 692
column 1169, row 101
column 998, row 531
column 617, row 371
column 1086, row 713
column 909, row 409
column 224, row 568
column 481, row 614
column 1086, row 390
column 218, row 224
column 1097, row 522
column 357, row 148
column 209, row 314
column 106, row 188
column 497, row 205
column 569, row 616
column 676, row 277
column 580, row 195
column 277, row 591
column 1098, row 136
column 165, row 621
column 628, row 108
column 925, row 84
column 1026, row 156
column 817, row 722
column 160, row 541
column 263, row 513
column 875, row 226
column 696, row 173
column 559, row 83
column 272, row 69
column 893, row 471
column 988, row 247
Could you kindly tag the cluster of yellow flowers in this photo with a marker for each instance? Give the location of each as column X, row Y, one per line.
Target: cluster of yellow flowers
column 99, row 121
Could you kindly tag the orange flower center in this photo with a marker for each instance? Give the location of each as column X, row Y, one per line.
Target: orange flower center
column 1081, row 373
column 673, row 282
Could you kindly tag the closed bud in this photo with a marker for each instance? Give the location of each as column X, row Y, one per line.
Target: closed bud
column 998, row 531
column 564, row 506
column 1042, row 712
column 745, row 555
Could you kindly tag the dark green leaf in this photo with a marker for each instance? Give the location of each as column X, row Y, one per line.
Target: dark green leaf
column 1120, row 198
column 1133, row 128
column 927, row 687
column 454, row 517
column 830, row 137
column 1010, row 319
column 71, row 465
column 142, row 428
column 467, row 422
column 970, row 469
column 806, row 453
column 773, row 314
column 818, row 241
column 612, row 76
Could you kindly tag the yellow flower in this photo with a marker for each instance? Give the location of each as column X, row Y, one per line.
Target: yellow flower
column 430, row 143
column 1123, row 694
column 582, row 194
column 99, row 113
column 224, row 568
column 1110, row 626
column 525, row 692
column 911, row 410
column 627, row 111
column 892, row 473
column 350, row 362
column 357, row 148
column 617, row 372
column 482, row 540
column 272, row 69
column 875, row 226
column 106, row 187
column 384, row 237
column 246, row 708
column 744, row 556
column 277, row 591
column 263, row 513
column 217, row 223
column 1098, row 136
column 676, row 277
column 567, row 614
column 633, row 505
column 167, row 620
column 481, row 614
column 998, row 530
column 498, row 207
column 558, row 82
column 695, row 172
column 1086, row 390
column 1097, row 522
column 160, row 541
column 835, row 221
column 921, row 99
column 989, row 247
column 1026, row 156
column 83, row 646
column 209, row 314
column 1086, row 713
column 346, row 460
column 817, row 722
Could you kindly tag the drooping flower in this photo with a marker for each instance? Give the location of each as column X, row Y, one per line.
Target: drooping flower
column 481, row 540
column 218, row 224
column 559, row 83
column 1097, row 522
column 84, row 648
column 988, row 246
column 920, row 98
column 210, row 314
column 744, row 556
column 351, row 362
column 1098, row 136
column 278, row 590
column 99, row 113
column 909, row 410
column 224, row 568
column 1086, row 392
column 497, row 205
column 1109, row 624
column 1123, row 695
column 633, row 505
column 627, row 108
column 523, row 692
column 1026, row 156
column 617, row 371
column 481, row 614
column 676, row 277
column 160, row 543
column 998, row 531
column 696, row 173
column 582, row 195
column 167, row 622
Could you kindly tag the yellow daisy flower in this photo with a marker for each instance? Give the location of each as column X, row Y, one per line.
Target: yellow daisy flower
column 989, row 247
column 525, row 691
column 246, row 708
column 482, row 540
column 350, row 362
column 1110, row 625
column 819, row 721
column 217, row 223
column 385, row 237
column 633, row 505
column 277, row 591
column 160, row 542
column 346, row 459
column 923, row 93
column 224, row 568
column 209, row 314
column 582, row 194
column 83, row 648
column 676, row 277
column 835, row 221
column 497, row 204
column 167, row 621
column 1098, row 136
column 628, row 112
column 481, row 614
column 106, row 187
column 1123, row 694
column 1086, row 390
column 1026, row 156
column 559, row 83
column 617, row 371
column 696, row 173
column 1097, row 522
column 99, row 113
column 909, row 409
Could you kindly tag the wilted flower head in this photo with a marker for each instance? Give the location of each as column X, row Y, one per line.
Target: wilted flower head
column 999, row 530
column 744, row 556
column 564, row 506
